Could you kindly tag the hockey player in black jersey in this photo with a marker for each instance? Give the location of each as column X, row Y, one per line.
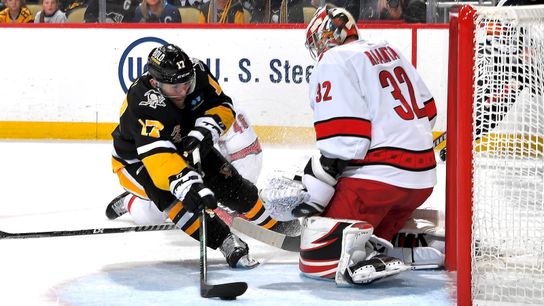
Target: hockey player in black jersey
column 176, row 107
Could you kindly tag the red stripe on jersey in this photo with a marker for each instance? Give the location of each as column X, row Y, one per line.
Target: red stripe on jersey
column 430, row 109
column 254, row 148
column 355, row 127
column 398, row 158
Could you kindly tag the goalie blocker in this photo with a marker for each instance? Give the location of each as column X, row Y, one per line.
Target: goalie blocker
column 346, row 251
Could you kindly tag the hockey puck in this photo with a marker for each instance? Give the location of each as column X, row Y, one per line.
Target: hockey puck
column 228, row 298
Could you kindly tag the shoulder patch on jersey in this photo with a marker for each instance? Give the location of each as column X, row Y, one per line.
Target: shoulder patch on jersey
column 154, row 99
column 196, row 102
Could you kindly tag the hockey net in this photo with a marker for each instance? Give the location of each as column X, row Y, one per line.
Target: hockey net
column 495, row 162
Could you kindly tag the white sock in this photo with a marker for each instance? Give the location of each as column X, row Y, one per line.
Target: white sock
column 144, row 212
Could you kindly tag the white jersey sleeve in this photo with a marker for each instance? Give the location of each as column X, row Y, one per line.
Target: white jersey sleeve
column 372, row 108
column 240, row 146
column 341, row 115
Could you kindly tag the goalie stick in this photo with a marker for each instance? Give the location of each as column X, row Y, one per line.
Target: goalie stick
column 279, row 240
column 226, row 291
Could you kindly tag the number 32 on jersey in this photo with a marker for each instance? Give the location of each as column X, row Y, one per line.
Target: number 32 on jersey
column 323, row 92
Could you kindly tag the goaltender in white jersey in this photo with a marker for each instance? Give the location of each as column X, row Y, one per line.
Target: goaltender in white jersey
column 373, row 117
column 372, row 108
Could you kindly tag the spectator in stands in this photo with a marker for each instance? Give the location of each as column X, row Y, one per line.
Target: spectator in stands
column 156, row 11
column 390, row 9
column 403, row 10
column 16, row 12
column 411, row 11
column 277, row 11
column 415, row 11
column 50, row 13
column 2, row 5
column 189, row 3
column 228, row 11
column 116, row 11
column 66, row 5
column 352, row 6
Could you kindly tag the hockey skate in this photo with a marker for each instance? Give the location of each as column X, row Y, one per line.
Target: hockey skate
column 116, row 208
column 236, row 252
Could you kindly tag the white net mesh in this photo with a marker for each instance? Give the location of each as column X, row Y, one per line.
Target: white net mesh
column 508, row 156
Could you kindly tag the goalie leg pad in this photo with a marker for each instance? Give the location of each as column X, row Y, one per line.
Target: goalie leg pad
column 321, row 246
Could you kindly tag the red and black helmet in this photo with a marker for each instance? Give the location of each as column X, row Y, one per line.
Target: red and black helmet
column 329, row 27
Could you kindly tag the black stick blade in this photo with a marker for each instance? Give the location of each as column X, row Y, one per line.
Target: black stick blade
column 228, row 291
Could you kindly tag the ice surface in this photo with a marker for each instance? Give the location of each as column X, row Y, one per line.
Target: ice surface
column 66, row 185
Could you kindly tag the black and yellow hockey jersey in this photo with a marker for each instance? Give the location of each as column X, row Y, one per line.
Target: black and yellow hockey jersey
column 151, row 127
column 233, row 12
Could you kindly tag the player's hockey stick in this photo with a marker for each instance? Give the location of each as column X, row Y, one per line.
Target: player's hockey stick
column 226, row 291
column 92, row 231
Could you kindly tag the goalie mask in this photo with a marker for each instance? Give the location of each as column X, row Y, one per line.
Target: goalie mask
column 329, row 27
column 170, row 65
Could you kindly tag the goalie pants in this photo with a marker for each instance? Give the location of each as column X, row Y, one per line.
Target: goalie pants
column 385, row 206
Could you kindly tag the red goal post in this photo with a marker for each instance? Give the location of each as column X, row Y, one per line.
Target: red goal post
column 495, row 161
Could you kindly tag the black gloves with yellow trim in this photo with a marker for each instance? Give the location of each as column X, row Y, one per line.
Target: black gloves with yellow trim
column 206, row 132
column 189, row 188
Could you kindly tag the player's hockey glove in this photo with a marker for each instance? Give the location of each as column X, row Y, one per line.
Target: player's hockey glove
column 205, row 133
column 188, row 187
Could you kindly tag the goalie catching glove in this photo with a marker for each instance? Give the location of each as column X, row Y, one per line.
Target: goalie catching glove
column 188, row 187
column 206, row 132
column 287, row 199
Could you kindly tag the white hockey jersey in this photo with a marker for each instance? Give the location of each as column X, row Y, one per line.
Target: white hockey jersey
column 372, row 108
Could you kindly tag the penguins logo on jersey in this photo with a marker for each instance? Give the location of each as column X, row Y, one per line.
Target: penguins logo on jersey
column 154, row 99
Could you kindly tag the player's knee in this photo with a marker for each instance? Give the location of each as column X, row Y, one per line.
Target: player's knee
column 145, row 212
column 321, row 242
column 232, row 190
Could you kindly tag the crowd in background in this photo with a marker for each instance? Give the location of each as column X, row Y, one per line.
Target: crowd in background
column 227, row 11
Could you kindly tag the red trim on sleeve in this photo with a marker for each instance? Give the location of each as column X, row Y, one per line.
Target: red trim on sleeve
column 355, row 127
column 430, row 109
